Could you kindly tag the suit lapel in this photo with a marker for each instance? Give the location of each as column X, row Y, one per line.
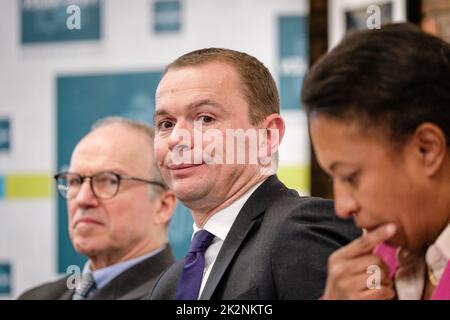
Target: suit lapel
column 137, row 281
column 64, row 293
column 244, row 222
column 67, row 295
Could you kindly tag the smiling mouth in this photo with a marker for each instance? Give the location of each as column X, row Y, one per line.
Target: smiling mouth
column 183, row 166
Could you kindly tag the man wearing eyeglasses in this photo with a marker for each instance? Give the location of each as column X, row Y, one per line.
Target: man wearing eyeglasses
column 118, row 209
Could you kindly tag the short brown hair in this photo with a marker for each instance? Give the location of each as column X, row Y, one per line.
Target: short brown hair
column 259, row 87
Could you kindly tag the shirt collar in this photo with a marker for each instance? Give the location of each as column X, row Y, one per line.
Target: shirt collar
column 104, row 275
column 409, row 279
column 438, row 254
column 219, row 224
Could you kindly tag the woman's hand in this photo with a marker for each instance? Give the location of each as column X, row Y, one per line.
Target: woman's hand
column 348, row 275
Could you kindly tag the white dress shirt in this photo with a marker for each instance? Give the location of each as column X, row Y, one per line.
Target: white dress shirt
column 219, row 225
column 410, row 276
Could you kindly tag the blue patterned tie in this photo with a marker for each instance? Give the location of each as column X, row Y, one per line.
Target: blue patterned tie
column 194, row 264
column 86, row 286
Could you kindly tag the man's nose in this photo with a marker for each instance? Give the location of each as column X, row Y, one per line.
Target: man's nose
column 181, row 136
column 86, row 197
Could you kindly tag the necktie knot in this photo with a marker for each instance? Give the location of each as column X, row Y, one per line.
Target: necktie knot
column 86, row 285
column 201, row 241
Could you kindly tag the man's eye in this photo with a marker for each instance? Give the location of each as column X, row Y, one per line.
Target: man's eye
column 165, row 125
column 106, row 180
column 73, row 181
column 205, row 119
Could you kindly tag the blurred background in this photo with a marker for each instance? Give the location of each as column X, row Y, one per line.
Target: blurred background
column 66, row 63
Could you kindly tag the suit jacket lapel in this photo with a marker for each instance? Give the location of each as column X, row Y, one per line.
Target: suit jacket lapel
column 62, row 291
column 244, row 222
column 67, row 295
column 136, row 282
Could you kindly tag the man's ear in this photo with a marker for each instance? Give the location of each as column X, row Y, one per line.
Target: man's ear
column 166, row 203
column 430, row 145
column 275, row 127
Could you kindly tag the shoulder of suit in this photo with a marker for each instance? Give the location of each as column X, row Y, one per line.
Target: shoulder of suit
column 164, row 288
column 288, row 202
column 49, row 290
column 137, row 281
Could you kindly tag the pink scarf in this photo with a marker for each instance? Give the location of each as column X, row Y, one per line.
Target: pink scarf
column 388, row 254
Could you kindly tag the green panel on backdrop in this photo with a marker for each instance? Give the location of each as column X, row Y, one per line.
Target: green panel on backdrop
column 293, row 58
column 167, row 16
column 5, row 278
column 82, row 100
column 26, row 186
column 5, row 136
column 44, row 21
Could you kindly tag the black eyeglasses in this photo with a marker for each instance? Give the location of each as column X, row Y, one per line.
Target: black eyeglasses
column 104, row 185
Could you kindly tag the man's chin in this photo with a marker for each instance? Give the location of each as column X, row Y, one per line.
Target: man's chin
column 188, row 193
column 88, row 249
column 87, row 245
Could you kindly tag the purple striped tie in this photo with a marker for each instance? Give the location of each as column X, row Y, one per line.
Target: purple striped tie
column 194, row 263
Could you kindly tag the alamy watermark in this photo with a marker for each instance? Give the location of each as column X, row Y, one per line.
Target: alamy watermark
column 374, row 280
column 74, row 279
column 73, row 21
column 374, row 20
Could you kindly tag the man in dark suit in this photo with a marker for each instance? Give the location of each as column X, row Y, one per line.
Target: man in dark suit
column 118, row 209
column 253, row 237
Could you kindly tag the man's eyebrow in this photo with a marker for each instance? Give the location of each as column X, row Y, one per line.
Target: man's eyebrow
column 160, row 112
column 194, row 105
column 208, row 102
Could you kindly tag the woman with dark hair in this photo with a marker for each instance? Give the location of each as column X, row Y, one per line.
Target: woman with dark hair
column 379, row 115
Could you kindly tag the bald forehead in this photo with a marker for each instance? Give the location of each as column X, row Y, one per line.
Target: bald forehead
column 114, row 146
column 119, row 134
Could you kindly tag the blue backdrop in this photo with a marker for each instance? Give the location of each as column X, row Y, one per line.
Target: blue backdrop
column 81, row 101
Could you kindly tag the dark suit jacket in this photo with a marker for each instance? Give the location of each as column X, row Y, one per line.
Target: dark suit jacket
column 277, row 248
column 132, row 284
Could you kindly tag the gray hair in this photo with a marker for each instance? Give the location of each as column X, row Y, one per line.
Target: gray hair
column 140, row 127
